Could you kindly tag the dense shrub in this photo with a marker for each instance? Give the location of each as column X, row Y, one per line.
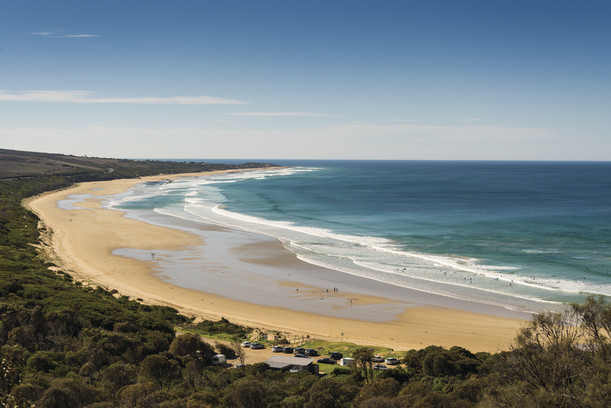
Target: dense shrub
column 223, row 326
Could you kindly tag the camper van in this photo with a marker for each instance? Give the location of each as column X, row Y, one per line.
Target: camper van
column 347, row 362
column 218, row 359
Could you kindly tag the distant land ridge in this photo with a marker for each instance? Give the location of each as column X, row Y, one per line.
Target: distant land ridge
column 19, row 164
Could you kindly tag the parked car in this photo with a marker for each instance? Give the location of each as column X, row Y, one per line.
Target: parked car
column 299, row 350
column 325, row 360
column 392, row 361
column 278, row 349
column 287, row 350
column 336, row 356
column 300, row 355
column 380, row 367
column 245, row 344
column 256, row 346
column 377, row 359
column 311, row 352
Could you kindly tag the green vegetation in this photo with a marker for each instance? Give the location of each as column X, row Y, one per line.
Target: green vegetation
column 66, row 345
column 346, row 348
column 222, row 329
column 20, row 165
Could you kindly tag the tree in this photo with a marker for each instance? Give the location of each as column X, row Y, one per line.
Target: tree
column 381, row 402
column 558, row 360
column 549, row 332
column 595, row 316
column 137, row 395
column 228, row 351
column 202, row 399
column 192, row 346
column 414, row 391
column 321, row 400
column 329, row 392
column 437, row 364
column 239, row 351
column 193, row 374
column 246, row 395
column 546, row 356
column 118, row 375
column 160, row 370
column 381, row 388
column 66, row 393
column 12, row 361
column 293, row 401
column 55, row 397
column 364, row 359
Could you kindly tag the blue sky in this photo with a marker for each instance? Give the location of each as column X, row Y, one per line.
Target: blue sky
column 487, row 80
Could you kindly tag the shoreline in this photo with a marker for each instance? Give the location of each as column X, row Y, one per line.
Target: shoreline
column 83, row 239
column 246, row 254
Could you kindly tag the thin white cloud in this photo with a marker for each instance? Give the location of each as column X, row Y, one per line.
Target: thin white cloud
column 470, row 120
column 283, row 114
column 76, row 36
column 62, row 34
column 62, row 96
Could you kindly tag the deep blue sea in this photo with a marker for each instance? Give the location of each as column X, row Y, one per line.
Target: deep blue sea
column 515, row 234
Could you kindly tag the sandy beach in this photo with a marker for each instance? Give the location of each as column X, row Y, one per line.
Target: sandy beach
column 82, row 237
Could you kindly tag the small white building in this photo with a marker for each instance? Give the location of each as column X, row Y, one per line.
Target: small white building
column 292, row 364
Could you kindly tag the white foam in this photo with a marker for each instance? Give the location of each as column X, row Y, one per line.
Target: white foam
column 330, row 246
column 245, row 221
column 207, row 195
column 366, row 253
column 177, row 212
column 140, row 192
column 373, row 257
column 563, row 285
column 432, row 286
column 541, row 251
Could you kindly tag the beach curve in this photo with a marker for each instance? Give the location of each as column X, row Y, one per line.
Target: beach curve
column 83, row 240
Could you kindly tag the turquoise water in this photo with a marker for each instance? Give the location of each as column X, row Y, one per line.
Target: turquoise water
column 521, row 235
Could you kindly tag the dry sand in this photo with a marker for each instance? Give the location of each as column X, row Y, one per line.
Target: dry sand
column 81, row 241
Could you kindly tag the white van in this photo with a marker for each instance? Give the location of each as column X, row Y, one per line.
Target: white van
column 218, row 359
column 346, row 362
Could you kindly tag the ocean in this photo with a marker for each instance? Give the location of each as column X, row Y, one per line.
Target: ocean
column 526, row 236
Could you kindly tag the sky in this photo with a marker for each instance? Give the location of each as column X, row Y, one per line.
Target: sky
column 333, row 79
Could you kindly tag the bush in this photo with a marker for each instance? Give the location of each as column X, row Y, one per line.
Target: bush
column 223, row 326
column 160, row 370
column 228, row 351
column 192, row 346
